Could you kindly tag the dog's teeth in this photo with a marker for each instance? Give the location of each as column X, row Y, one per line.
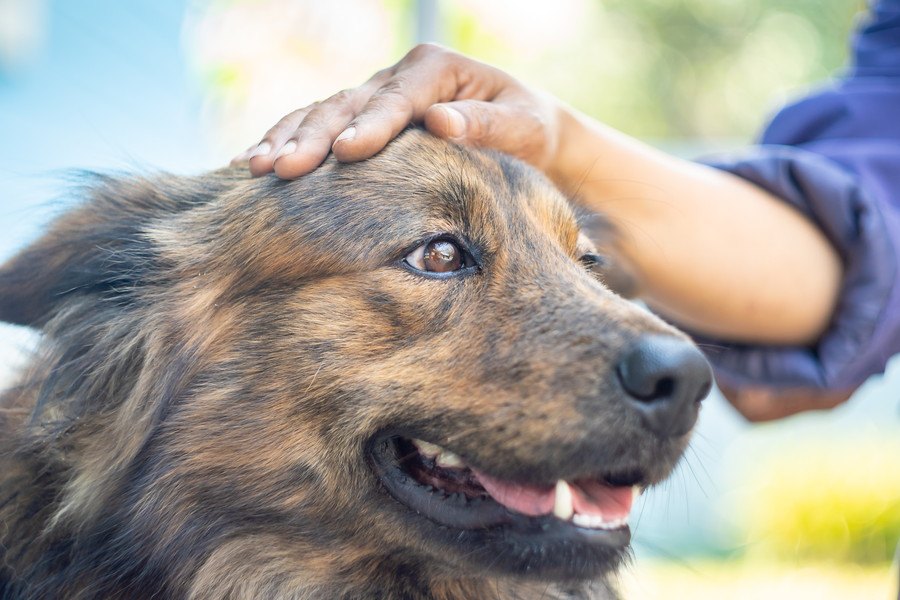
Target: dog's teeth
column 587, row 521
column 427, row 448
column 597, row 522
column 448, row 460
column 562, row 506
column 637, row 491
column 443, row 458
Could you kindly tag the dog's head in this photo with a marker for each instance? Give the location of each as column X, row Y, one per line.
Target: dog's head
column 402, row 363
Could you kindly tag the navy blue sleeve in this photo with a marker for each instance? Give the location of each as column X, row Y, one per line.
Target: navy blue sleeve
column 835, row 156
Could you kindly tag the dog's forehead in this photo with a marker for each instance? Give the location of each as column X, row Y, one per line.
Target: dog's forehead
column 350, row 216
column 481, row 191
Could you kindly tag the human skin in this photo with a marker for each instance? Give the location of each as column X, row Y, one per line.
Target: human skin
column 706, row 249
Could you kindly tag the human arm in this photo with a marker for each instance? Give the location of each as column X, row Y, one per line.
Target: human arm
column 834, row 155
column 710, row 251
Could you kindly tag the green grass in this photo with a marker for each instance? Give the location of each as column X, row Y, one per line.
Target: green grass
column 826, row 502
column 753, row 580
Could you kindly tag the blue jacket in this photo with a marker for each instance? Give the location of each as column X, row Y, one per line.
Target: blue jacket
column 835, row 156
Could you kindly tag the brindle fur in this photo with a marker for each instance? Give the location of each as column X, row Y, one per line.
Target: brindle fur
column 217, row 352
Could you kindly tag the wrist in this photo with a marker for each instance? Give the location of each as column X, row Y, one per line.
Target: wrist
column 571, row 160
column 594, row 161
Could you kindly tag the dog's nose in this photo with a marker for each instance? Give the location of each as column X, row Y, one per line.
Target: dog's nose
column 665, row 378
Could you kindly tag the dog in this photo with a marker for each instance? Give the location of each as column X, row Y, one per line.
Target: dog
column 394, row 379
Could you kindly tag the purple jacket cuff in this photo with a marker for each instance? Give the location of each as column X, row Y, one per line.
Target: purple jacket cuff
column 865, row 330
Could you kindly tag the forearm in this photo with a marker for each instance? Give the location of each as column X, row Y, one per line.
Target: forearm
column 710, row 251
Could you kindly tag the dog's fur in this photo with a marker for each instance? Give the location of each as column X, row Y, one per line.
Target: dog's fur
column 218, row 354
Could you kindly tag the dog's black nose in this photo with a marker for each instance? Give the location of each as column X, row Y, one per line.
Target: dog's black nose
column 665, row 378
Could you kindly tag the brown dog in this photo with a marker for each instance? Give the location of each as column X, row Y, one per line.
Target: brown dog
column 390, row 379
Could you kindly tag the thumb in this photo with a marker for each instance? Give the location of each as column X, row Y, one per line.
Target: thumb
column 446, row 121
column 510, row 128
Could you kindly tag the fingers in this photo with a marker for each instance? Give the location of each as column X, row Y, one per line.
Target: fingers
column 356, row 124
column 311, row 141
column 243, row 157
column 766, row 404
column 516, row 127
column 386, row 114
column 401, row 100
column 300, row 141
column 262, row 156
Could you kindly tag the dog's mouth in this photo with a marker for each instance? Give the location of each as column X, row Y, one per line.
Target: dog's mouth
column 439, row 485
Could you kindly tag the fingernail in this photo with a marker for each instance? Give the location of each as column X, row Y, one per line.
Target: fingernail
column 288, row 148
column 262, row 149
column 347, row 134
column 245, row 155
column 456, row 123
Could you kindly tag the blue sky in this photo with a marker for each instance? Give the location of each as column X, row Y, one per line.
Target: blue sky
column 109, row 89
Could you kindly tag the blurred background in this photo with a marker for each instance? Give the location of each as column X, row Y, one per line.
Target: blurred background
column 804, row 508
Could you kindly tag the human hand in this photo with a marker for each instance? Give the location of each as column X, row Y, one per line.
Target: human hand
column 455, row 97
column 767, row 404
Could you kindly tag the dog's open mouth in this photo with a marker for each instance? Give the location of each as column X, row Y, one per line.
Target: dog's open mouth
column 439, row 485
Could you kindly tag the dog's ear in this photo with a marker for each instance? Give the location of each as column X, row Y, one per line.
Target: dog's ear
column 97, row 249
column 78, row 255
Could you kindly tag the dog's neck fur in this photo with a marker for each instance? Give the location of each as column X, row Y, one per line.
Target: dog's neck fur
column 392, row 586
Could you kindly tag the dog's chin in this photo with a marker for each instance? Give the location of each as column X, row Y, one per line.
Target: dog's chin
column 494, row 526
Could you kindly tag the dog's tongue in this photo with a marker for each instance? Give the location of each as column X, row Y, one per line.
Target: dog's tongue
column 598, row 499
column 588, row 497
column 529, row 500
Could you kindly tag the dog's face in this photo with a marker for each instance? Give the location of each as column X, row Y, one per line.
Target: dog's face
column 402, row 363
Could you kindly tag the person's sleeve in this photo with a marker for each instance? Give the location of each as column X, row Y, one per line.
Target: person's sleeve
column 835, row 156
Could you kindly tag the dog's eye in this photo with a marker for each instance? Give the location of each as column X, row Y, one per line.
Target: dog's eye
column 592, row 260
column 438, row 256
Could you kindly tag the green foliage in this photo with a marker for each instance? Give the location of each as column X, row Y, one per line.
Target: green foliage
column 670, row 68
column 826, row 502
